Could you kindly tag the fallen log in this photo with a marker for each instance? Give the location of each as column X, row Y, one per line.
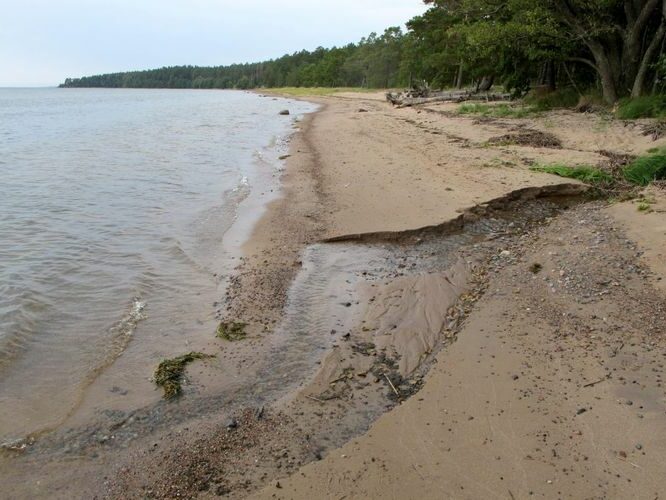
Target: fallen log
column 404, row 101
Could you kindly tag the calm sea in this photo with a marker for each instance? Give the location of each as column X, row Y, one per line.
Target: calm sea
column 117, row 228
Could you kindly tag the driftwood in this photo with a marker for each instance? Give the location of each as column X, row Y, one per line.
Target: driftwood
column 407, row 99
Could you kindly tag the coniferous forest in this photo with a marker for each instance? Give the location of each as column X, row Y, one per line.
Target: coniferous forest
column 613, row 47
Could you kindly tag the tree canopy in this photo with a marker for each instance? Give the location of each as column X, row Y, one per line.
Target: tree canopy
column 614, row 45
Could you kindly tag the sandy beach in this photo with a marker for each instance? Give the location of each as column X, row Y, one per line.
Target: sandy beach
column 426, row 318
column 553, row 387
column 492, row 332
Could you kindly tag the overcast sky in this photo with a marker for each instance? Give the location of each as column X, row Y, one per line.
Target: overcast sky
column 44, row 41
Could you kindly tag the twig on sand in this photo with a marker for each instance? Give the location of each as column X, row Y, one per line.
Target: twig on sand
column 592, row 384
column 617, row 350
column 392, row 386
column 315, row 399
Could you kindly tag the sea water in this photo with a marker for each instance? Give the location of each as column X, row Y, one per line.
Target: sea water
column 114, row 209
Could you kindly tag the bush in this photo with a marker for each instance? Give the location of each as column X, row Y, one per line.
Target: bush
column 590, row 102
column 646, row 169
column 563, row 98
column 653, row 106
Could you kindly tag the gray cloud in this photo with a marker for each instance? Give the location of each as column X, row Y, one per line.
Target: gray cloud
column 44, row 41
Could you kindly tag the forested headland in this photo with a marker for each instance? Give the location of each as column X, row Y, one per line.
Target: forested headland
column 612, row 47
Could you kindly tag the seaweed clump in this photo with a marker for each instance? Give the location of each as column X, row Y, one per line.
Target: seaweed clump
column 231, row 331
column 169, row 373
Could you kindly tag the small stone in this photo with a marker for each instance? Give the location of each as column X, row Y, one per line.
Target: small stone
column 284, row 112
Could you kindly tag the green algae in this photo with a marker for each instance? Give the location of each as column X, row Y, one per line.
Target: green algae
column 231, row 331
column 169, row 373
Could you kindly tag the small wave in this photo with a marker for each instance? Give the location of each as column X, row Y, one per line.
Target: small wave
column 121, row 334
column 242, row 185
column 122, row 331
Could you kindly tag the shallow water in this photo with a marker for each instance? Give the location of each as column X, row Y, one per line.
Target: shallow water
column 114, row 206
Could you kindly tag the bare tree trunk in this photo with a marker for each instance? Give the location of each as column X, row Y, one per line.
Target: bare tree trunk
column 618, row 58
column 571, row 79
column 486, row 83
column 656, row 76
column 550, row 77
column 606, row 74
column 459, row 77
column 639, row 82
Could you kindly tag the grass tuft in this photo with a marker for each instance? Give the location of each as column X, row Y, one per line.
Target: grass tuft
column 653, row 106
column 584, row 173
column 231, row 331
column 169, row 373
column 646, row 169
column 497, row 110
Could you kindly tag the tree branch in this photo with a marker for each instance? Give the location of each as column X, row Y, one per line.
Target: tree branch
column 629, row 12
column 644, row 17
column 584, row 61
column 639, row 83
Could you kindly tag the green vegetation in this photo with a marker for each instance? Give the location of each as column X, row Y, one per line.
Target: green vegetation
column 646, row 169
column 169, row 373
column 570, row 45
column 584, row 173
column 566, row 97
column 496, row 110
column 652, row 106
column 231, row 331
column 640, row 172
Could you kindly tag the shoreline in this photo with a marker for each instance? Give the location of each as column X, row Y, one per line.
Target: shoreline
column 343, row 180
column 391, row 340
